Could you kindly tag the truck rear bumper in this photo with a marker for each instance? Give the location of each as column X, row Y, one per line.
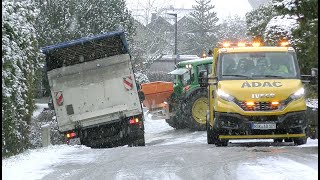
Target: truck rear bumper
column 117, row 139
column 114, row 134
column 237, row 124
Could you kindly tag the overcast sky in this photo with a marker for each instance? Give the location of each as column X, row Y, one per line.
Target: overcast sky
column 223, row 8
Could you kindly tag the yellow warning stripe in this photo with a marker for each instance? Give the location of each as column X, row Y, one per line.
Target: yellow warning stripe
column 267, row 136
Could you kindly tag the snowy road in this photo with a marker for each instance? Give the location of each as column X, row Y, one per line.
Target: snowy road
column 169, row 155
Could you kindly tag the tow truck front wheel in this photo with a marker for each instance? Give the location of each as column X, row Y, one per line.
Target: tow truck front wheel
column 210, row 137
column 213, row 137
column 300, row 141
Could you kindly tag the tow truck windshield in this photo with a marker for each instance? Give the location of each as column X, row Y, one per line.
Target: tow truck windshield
column 258, row 65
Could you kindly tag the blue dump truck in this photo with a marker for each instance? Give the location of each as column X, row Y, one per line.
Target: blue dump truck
column 94, row 92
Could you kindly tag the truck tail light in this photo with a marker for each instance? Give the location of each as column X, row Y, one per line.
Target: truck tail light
column 71, row 135
column 134, row 121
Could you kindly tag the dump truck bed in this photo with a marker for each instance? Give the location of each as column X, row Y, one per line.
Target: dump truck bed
column 94, row 92
column 92, row 81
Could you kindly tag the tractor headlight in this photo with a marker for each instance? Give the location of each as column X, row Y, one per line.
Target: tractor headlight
column 224, row 95
column 297, row 95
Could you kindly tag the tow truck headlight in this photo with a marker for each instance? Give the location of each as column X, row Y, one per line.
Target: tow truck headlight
column 297, row 95
column 224, row 95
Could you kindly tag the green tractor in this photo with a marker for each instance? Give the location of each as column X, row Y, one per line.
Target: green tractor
column 189, row 101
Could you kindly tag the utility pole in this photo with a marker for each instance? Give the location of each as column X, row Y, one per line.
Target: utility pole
column 175, row 36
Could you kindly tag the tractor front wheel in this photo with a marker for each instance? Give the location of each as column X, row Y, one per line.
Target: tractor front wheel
column 195, row 110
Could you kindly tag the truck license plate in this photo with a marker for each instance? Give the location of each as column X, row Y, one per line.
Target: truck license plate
column 263, row 126
column 74, row 141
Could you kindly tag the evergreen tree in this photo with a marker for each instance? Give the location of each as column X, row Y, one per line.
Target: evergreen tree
column 64, row 20
column 20, row 60
column 306, row 35
column 258, row 19
column 233, row 29
column 204, row 27
column 280, row 28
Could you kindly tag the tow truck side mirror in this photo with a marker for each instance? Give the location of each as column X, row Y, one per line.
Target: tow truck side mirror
column 215, row 80
column 314, row 72
column 314, row 76
column 312, row 79
column 203, row 78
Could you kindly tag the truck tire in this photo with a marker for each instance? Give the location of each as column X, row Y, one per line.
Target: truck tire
column 277, row 140
column 218, row 142
column 176, row 121
column 213, row 138
column 288, row 140
column 173, row 122
column 195, row 110
column 300, row 141
column 138, row 142
column 222, row 143
column 210, row 136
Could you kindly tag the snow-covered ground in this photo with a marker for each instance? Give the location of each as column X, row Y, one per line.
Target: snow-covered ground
column 39, row 108
column 276, row 168
column 277, row 163
column 313, row 103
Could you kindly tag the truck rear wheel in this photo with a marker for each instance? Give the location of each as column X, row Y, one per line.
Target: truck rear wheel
column 195, row 110
column 139, row 142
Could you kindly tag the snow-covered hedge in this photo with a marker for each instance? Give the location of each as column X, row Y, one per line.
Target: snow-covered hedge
column 313, row 103
column 141, row 78
column 20, row 61
column 46, row 117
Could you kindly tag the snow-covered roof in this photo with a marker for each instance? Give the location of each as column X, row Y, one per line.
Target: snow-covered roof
column 180, row 57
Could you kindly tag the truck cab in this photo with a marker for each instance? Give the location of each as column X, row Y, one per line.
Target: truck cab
column 255, row 92
column 188, row 72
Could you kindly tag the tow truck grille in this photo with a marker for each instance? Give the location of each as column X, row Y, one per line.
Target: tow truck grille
column 258, row 106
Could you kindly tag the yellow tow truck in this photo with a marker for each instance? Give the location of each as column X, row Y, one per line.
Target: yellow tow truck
column 255, row 92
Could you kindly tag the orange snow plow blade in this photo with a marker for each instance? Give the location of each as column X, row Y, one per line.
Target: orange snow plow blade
column 156, row 93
